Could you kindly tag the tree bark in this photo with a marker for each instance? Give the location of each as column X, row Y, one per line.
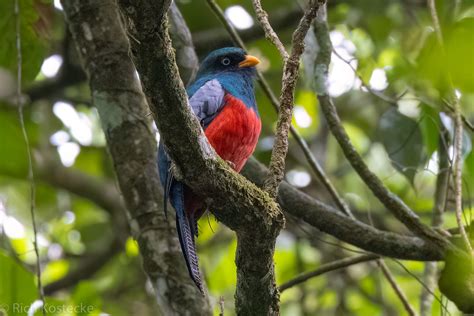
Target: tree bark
column 235, row 201
column 104, row 49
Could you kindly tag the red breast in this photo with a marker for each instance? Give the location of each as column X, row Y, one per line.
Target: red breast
column 234, row 132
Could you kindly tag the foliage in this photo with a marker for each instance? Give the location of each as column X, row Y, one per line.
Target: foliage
column 390, row 41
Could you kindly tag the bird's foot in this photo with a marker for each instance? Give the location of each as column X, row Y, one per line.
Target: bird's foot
column 231, row 164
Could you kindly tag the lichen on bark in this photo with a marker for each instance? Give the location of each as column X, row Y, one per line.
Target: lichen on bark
column 116, row 92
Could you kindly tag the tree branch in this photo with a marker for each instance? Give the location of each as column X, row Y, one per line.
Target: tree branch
column 398, row 291
column 313, row 163
column 70, row 73
column 104, row 49
column 238, row 203
column 328, row 267
column 48, row 88
column 186, row 58
column 86, row 268
column 290, row 76
column 393, row 203
column 328, row 220
column 104, row 194
column 270, row 34
column 281, row 19
column 465, row 120
column 458, row 135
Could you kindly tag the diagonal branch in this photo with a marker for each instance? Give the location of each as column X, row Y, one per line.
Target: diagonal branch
column 86, row 268
column 396, row 288
column 458, row 135
column 465, row 120
column 186, row 57
column 104, row 50
column 103, row 193
column 323, row 59
column 313, row 163
column 270, row 34
column 393, row 203
column 239, row 204
column 290, row 76
column 325, row 268
column 328, row 220
column 281, row 19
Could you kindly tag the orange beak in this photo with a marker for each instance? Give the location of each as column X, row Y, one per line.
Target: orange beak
column 249, row 61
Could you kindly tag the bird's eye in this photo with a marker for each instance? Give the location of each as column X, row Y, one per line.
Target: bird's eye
column 225, row 61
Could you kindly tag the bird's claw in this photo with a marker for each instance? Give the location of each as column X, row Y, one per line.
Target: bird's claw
column 231, row 164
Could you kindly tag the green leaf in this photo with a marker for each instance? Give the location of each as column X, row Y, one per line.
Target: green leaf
column 86, row 299
column 457, row 279
column 17, row 287
column 460, row 52
column 131, row 247
column 13, row 156
column 33, row 47
column 403, row 142
column 429, row 127
column 54, row 271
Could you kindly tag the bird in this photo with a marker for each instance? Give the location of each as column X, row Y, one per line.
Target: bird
column 222, row 98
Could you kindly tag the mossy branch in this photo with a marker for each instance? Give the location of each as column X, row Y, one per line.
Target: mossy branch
column 104, row 49
column 238, row 203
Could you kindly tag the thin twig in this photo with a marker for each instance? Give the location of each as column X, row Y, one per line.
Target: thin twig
column 390, row 200
column 398, row 291
column 290, row 76
column 321, row 175
column 443, row 306
column 281, row 19
column 436, row 25
column 391, row 280
column 331, row 266
column 458, row 166
column 221, row 305
column 31, row 177
column 375, row 93
column 313, row 163
column 270, row 34
column 458, row 134
column 467, row 123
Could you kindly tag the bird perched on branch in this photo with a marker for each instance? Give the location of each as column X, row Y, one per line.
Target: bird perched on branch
column 222, row 98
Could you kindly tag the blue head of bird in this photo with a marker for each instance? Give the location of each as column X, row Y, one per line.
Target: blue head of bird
column 233, row 68
column 228, row 59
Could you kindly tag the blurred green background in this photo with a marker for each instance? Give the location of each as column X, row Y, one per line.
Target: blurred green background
column 391, row 46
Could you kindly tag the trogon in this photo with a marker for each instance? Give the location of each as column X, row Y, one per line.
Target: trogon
column 222, row 98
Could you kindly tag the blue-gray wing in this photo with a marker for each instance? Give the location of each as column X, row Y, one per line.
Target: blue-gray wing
column 207, row 101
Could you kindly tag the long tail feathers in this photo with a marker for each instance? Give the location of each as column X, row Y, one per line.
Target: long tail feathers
column 186, row 225
column 186, row 237
column 188, row 247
